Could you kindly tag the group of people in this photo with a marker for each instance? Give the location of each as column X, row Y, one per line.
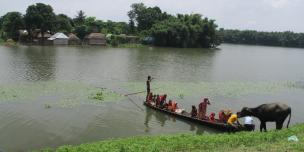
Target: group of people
column 225, row 116
column 161, row 102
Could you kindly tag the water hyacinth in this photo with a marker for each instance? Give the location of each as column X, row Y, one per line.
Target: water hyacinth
column 62, row 94
column 232, row 89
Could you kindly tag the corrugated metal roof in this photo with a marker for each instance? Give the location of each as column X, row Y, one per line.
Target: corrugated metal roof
column 58, row 36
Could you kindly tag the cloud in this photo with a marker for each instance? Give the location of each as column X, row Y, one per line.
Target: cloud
column 278, row 3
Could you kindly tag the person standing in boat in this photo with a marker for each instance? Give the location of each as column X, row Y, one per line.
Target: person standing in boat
column 202, row 108
column 148, row 86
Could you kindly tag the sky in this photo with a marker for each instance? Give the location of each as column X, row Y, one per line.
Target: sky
column 261, row 15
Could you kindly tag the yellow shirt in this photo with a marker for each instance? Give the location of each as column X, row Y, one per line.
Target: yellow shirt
column 233, row 118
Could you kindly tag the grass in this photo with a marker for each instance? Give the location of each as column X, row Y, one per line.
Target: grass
column 275, row 141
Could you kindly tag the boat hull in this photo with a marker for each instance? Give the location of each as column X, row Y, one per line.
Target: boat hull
column 212, row 124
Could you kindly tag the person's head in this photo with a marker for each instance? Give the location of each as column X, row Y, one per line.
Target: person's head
column 212, row 114
column 193, row 107
column 238, row 114
column 206, row 100
column 165, row 95
column 151, row 94
column 230, row 113
column 170, row 101
column 149, row 77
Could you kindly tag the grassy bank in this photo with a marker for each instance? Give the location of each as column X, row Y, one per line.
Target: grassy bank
column 275, row 141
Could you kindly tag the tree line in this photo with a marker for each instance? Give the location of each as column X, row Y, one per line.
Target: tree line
column 162, row 29
column 285, row 39
column 41, row 16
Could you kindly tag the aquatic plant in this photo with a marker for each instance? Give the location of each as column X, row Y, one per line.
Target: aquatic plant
column 232, row 89
column 60, row 94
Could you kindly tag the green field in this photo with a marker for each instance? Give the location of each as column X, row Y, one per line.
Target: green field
column 275, row 141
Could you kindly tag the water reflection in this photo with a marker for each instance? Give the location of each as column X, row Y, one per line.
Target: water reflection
column 32, row 63
column 172, row 63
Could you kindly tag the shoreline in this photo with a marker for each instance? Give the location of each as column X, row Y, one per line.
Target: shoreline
column 242, row 141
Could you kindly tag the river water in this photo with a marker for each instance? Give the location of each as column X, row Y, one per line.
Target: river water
column 44, row 91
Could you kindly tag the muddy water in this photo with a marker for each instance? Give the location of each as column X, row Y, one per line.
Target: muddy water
column 45, row 92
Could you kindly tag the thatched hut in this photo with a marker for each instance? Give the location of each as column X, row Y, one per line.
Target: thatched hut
column 95, row 39
column 73, row 39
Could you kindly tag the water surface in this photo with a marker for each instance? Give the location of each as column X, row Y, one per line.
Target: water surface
column 63, row 78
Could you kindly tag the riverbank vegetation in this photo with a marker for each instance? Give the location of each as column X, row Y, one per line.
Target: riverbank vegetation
column 147, row 25
column 161, row 28
column 284, row 39
column 275, row 141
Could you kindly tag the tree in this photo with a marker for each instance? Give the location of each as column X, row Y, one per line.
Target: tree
column 80, row 18
column 11, row 24
column 63, row 23
column 144, row 17
column 40, row 16
column 185, row 31
column 81, row 31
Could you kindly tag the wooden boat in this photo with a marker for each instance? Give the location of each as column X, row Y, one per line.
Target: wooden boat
column 217, row 124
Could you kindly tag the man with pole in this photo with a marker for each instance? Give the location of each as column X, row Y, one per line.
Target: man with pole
column 148, row 87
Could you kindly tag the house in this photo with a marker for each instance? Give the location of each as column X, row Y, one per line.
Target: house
column 73, row 39
column 95, row 39
column 39, row 39
column 59, row 39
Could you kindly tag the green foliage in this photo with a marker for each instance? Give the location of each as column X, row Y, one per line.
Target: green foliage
column 145, row 17
column 63, row 23
column 243, row 141
column 12, row 22
column 80, row 31
column 40, row 16
column 80, row 18
column 288, row 39
column 98, row 96
column 115, row 40
column 174, row 31
column 185, row 31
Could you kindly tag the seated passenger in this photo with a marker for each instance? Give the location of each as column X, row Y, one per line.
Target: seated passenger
column 157, row 100
column 193, row 111
column 150, row 97
column 174, row 106
column 170, row 105
column 221, row 116
column 232, row 119
column 212, row 116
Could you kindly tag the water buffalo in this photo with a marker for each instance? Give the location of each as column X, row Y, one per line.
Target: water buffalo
column 273, row 112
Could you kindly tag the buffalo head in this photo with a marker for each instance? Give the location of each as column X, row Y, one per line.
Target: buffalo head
column 245, row 112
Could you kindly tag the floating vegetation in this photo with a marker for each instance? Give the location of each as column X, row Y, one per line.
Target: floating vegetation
column 98, row 96
column 62, row 94
column 211, row 89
